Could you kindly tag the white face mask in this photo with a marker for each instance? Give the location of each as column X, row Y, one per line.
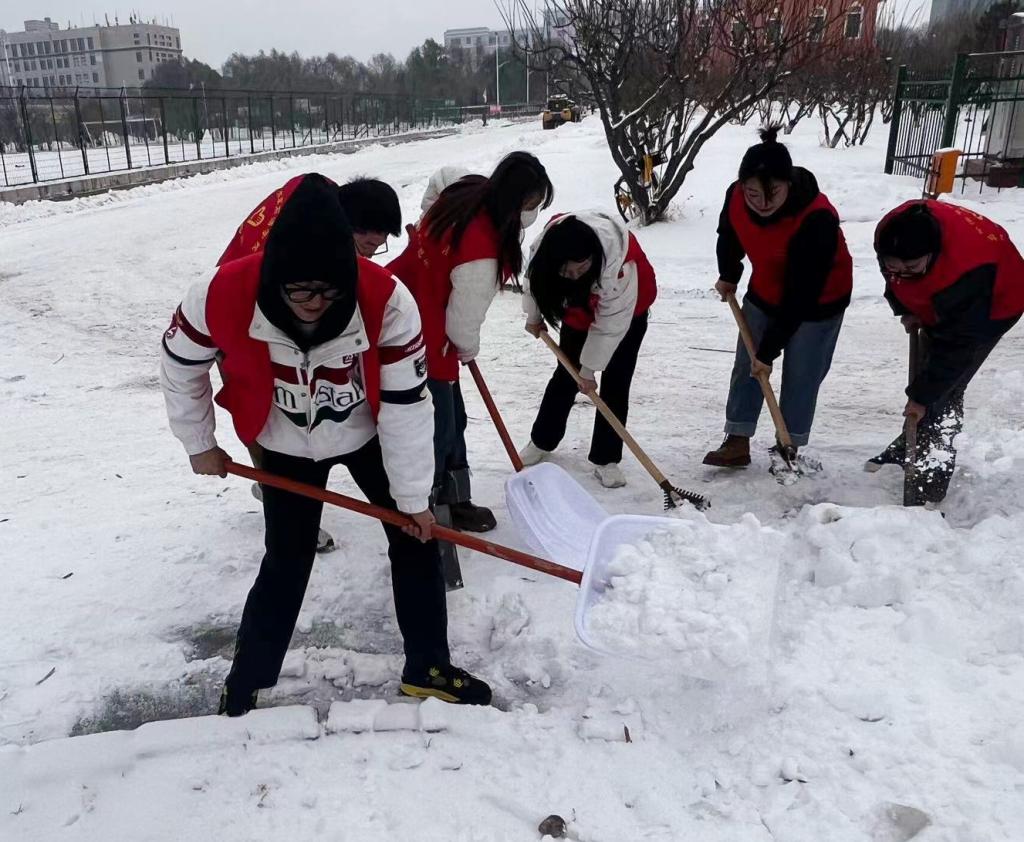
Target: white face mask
column 527, row 218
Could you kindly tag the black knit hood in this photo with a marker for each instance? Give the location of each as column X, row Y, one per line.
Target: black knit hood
column 310, row 241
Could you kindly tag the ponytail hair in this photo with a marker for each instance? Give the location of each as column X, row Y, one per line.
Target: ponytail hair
column 517, row 179
column 767, row 160
column 565, row 240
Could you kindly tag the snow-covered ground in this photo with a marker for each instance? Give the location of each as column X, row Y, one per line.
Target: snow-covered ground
column 896, row 686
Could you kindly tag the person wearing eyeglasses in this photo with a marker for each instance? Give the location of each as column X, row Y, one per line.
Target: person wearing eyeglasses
column 374, row 213
column 466, row 245
column 958, row 278
column 323, row 364
column 801, row 280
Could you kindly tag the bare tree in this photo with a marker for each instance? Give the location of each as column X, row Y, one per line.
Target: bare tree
column 666, row 75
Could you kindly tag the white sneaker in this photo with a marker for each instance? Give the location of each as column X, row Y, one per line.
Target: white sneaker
column 611, row 476
column 533, row 455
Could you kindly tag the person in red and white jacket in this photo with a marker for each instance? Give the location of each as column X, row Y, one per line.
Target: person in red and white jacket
column 800, row 286
column 465, row 246
column 588, row 275
column 323, row 364
column 958, row 278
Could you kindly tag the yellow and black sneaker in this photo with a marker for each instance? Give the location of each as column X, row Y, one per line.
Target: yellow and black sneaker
column 447, row 683
column 233, row 703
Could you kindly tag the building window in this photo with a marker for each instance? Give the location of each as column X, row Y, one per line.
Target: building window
column 142, row 73
column 46, row 47
column 31, row 49
column 92, row 59
column 179, row 42
column 854, row 22
column 96, row 77
column 138, row 56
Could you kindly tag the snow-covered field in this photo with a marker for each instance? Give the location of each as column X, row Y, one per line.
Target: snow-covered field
column 896, row 689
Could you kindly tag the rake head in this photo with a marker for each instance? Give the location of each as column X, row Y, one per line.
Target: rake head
column 672, row 494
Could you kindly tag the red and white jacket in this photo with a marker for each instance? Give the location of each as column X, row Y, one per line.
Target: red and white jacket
column 332, row 400
column 627, row 288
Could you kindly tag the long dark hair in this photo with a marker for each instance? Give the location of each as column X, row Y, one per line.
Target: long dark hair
column 567, row 239
column 517, row 178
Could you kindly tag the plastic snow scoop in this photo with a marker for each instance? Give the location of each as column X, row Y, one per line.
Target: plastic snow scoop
column 786, row 448
column 751, row 607
column 441, row 533
column 553, row 513
column 550, row 510
column 672, row 493
column 910, row 489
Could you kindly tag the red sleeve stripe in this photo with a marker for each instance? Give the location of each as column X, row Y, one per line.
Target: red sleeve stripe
column 389, row 355
column 196, row 336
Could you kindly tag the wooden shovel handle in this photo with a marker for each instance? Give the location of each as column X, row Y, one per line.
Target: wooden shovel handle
column 441, row 533
column 492, row 409
column 603, row 408
column 766, row 384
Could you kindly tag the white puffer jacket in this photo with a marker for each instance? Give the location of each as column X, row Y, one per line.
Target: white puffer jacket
column 616, row 291
column 320, row 409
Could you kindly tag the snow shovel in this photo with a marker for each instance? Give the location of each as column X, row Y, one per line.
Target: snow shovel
column 440, row 533
column 910, row 489
column 786, row 448
column 672, row 493
column 551, row 511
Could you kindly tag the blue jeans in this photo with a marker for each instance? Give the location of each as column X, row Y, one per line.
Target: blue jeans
column 451, row 465
column 806, row 360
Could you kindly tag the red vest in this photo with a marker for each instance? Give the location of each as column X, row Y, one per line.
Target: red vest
column 248, row 375
column 252, row 234
column 425, row 267
column 767, row 246
column 581, row 318
column 969, row 241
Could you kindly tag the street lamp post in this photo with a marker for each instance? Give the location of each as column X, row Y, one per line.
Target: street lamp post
column 497, row 75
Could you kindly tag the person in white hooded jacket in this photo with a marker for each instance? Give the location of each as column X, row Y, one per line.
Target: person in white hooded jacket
column 323, row 364
column 588, row 276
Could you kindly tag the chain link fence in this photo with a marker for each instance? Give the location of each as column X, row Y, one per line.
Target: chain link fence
column 48, row 135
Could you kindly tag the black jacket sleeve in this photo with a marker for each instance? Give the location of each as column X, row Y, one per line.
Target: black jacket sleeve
column 897, row 308
column 963, row 323
column 730, row 252
column 812, row 254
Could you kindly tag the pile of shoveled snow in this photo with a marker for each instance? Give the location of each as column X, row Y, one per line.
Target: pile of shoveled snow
column 698, row 593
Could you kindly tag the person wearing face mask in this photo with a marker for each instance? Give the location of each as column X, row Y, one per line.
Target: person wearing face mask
column 588, row 277
column 800, row 286
column 957, row 277
column 324, row 364
column 467, row 244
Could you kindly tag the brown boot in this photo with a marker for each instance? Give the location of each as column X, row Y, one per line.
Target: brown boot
column 734, row 453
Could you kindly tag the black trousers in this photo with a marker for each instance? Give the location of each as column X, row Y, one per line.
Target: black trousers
column 292, row 521
column 935, row 459
column 451, row 461
column 560, row 394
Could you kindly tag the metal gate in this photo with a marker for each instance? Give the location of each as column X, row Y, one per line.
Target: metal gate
column 977, row 107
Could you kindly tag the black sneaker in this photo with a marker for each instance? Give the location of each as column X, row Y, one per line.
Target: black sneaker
column 447, row 683
column 894, row 454
column 233, row 703
column 468, row 517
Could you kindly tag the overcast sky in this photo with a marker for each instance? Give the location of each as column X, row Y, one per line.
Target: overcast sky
column 213, row 29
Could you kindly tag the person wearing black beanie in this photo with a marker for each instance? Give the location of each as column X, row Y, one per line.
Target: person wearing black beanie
column 956, row 278
column 323, row 364
column 374, row 213
column 801, row 279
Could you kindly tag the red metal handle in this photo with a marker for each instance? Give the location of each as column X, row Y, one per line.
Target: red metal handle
column 441, row 533
column 485, row 393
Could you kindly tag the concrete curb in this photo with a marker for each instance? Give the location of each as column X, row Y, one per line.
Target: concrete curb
column 90, row 185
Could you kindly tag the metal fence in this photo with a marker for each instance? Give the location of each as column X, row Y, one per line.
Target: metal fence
column 52, row 135
column 977, row 107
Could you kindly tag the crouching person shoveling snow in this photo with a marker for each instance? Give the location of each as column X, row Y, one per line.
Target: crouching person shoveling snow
column 323, row 362
column 588, row 277
column 800, row 285
column 957, row 278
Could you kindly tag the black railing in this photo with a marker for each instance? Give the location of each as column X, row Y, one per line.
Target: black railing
column 53, row 134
